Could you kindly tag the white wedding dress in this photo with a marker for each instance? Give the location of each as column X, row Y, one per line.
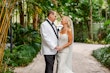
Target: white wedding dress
column 64, row 57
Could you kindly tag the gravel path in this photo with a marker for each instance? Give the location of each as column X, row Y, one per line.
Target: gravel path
column 83, row 62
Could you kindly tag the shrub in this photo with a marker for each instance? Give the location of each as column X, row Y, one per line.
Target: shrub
column 22, row 55
column 5, row 69
column 107, row 39
column 103, row 55
column 24, row 35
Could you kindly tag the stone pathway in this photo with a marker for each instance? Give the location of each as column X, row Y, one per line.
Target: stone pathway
column 83, row 62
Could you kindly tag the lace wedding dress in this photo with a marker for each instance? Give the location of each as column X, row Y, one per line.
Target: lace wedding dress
column 64, row 57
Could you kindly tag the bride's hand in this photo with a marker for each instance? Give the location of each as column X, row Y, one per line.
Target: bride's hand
column 58, row 48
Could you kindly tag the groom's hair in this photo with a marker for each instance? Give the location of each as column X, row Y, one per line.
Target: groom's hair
column 50, row 12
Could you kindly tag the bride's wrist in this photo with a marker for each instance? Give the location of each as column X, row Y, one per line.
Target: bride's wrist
column 61, row 47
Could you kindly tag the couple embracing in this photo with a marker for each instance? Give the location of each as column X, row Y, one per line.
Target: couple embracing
column 57, row 44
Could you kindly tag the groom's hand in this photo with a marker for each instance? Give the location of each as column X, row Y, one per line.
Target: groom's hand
column 58, row 48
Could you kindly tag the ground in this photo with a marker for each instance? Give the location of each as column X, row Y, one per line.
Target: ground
column 83, row 62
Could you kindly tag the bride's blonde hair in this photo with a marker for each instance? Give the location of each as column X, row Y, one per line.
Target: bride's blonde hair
column 70, row 25
column 69, row 21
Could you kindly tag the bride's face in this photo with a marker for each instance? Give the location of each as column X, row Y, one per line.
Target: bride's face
column 64, row 21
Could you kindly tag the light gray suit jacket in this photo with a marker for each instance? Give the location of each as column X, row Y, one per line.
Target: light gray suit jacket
column 48, row 39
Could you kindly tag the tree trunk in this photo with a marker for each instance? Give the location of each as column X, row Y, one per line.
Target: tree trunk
column 106, row 14
column 90, row 23
column 28, row 15
column 35, row 19
column 21, row 14
column 89, row 29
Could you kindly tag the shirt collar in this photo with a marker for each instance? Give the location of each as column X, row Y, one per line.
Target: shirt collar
column 50, row 21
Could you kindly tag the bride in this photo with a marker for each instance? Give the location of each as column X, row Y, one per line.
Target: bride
column 64, row 56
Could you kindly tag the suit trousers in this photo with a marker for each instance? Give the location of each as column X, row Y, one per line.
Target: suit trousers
column 49, row 60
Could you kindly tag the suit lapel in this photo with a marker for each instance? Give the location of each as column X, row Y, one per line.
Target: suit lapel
column 53, row 28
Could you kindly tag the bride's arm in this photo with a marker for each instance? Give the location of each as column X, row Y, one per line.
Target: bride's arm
column 70, row 38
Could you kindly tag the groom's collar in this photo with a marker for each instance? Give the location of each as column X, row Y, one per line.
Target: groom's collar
column 50, row 21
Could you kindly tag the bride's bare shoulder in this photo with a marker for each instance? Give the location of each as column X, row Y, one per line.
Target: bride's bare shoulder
column 69, row 30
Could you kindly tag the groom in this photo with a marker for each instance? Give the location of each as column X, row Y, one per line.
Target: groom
column 49, row 38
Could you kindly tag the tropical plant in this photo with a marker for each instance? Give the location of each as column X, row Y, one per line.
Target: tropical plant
column 5, row 16
column 24, row 35
column 103, row 55
column 22, row 55
column 107, row 29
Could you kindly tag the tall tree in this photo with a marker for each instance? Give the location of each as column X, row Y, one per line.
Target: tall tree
column 90, row 16
column 21, row 11
column 6, row 12
column 35, row 18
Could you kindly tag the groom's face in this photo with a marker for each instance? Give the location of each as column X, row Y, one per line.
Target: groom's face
column 53, row 16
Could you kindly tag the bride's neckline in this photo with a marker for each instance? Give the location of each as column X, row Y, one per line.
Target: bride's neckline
column 63, row 31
